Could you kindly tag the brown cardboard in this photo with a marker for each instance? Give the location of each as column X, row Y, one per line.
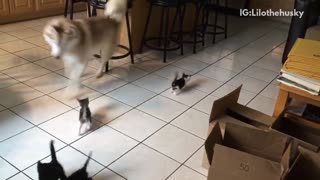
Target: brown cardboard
column 228, row 105
column 246, row 153
column 306, row 166
column 227, row 110
column 299, row 135
column 232, row 164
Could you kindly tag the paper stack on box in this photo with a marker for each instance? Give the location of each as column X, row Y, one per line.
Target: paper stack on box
column 302, row 68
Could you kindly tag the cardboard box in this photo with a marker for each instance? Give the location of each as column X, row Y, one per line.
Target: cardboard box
column 227, row 109
column 306, row 166
column 299, row 135
column 245, row 153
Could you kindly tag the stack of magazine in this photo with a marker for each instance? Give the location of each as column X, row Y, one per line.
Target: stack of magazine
column 302, row 68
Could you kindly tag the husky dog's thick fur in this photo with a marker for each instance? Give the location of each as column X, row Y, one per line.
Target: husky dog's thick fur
column 76, row 41
column 116, row 9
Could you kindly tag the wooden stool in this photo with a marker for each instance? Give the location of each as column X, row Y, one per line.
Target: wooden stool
column 286, row 93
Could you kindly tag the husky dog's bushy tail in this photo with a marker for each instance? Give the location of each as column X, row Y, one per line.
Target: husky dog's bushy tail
column 116, row 9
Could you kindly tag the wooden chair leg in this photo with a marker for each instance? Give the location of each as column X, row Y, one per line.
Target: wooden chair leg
column 281, row 103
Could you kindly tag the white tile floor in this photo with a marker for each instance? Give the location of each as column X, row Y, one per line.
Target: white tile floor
column 141, row 131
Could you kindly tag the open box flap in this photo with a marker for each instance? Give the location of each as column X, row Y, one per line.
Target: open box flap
column 228, row 105
column 220, row 105
column 215, row 137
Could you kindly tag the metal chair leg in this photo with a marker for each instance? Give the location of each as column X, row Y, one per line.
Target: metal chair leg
column 215, row 23
column 66, row 8
column 226, row 19
column 166, row 35
column 71, row 9
column 195, row 30
column 145, row 28
column 129, row 37
column 89, row 9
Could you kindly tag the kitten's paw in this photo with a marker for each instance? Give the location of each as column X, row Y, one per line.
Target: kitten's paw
column 84, row 128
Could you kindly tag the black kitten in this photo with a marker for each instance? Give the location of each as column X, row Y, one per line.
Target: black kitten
column 82, row 173
column 85, row 116
column 178, row 84
column 52, row 170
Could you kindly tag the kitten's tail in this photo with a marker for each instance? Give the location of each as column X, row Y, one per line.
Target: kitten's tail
column 53, row 152
column 87, row 161
column 175, row 76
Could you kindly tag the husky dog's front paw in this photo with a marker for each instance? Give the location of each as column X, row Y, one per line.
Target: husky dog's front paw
column 99, row 75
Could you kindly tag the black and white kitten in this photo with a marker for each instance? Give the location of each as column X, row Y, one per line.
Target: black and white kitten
column 179, row 83
column 84, row 116
column 52, row 170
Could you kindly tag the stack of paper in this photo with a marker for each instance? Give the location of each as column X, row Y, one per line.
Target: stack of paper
column 302, row 68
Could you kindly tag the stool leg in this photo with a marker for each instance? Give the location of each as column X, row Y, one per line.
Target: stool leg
column 107, row 66
column 94, row 11
column 226, row 19
column 195, row 31
column 204, row 26
column 145, row 28
column 66, row 8
column 88, row 9
column 161, row 27
column 181, row 18
column 166, row 35
column 71, row 9
column 129, row 37
column 215, row 22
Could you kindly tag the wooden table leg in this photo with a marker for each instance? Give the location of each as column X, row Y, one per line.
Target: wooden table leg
column 281, row 103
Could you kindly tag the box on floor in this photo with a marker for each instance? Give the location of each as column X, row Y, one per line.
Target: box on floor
column 258, row 149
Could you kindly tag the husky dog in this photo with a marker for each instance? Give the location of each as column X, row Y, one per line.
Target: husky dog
column 180, row 83
column 116, row 9
column 76, row 41
column 54, row 170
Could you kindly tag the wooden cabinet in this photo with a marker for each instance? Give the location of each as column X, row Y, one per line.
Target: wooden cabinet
column 18, row 10
column 21, row 6
column 49, row 4
column 4, row 8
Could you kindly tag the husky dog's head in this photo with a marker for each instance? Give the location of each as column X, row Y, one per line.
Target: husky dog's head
column 116, row 9
column 62, row 36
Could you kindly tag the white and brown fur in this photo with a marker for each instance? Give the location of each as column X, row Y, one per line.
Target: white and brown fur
column 76, row 41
